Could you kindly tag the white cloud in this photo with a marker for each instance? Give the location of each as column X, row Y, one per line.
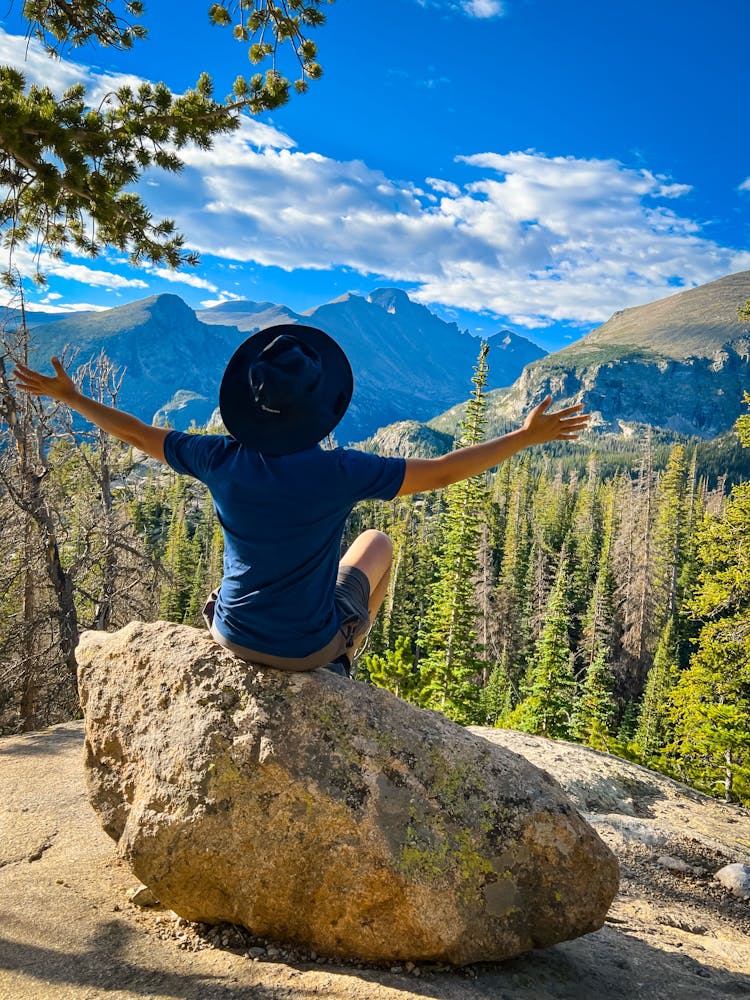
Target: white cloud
column 444, row 187
column 673, row 190
column 535, row 237
column 87, row 275
column 29, row 263
column 483, row 9
column 745, row 185
column 223, row 297
column 70, row 307
column 9, row 297
column 30, row 58
column 183, row 277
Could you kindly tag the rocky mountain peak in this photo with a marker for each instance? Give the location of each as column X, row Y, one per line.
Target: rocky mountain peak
column 391, row 299
column 164, row 306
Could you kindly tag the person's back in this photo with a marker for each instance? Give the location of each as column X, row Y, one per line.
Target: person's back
column 283, row 517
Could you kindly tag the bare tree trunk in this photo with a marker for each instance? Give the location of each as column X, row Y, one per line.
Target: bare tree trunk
column 25, row 489
column 728, row 775
column 29, row 689
column 639, row 647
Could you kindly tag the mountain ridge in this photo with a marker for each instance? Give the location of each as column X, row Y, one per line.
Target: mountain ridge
column 408, row 363
column 679, row 364
column 691, row 323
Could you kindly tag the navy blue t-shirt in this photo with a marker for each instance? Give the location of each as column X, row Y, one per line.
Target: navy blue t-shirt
column 283, row 517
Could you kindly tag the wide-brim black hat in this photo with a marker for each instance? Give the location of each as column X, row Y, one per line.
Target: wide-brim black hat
column 285, row 389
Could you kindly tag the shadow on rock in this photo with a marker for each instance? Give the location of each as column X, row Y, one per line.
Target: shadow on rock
column 102, row 966
column 44, row 742
column 610, row 963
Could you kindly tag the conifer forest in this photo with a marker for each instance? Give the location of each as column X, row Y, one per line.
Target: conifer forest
column 569, row 598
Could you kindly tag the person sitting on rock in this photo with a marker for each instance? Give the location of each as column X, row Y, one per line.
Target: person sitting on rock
column 286, row 600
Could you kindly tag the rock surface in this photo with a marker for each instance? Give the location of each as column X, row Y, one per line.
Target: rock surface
column 328, row 814
column 736, row 878
column 70, row 931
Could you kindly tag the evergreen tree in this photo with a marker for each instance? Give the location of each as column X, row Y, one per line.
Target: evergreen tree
column 599, row 625
column 711, row 702
column 669, row 535
column 654, row 730
column 548, row 702
column 151, row 516
column 511, row 586
column 68, row 166
column 586, row 539
column 180, row 564
column 594, row 710
column 394, row 670
column 496, row 697
column 743, row 422
column 711, row 713
column 628, row 726
column 687, row 625
column 450, row 664
column 207, row 548
column 411, row 573
column 196, row 599
column 553, row 511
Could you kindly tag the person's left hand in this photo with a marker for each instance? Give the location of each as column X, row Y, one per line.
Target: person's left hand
column 564, row 425
column 59, row 386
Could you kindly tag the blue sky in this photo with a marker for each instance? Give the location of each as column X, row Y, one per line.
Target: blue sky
column 529, row 164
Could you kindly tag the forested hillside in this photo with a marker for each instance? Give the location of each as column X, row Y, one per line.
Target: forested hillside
column 607, row 606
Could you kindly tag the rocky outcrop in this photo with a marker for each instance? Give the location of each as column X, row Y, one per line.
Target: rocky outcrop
column 693, row 395
column 681, row 364
column 623, row 389
column 408, row 439
column 327, row 813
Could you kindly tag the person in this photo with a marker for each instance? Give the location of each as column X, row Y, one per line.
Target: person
column 286, row 600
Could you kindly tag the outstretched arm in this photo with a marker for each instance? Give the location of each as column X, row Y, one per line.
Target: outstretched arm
column 539, row 427
column 61, row 387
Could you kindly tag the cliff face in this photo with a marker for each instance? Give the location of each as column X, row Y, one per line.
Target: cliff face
column 681, row 364
column 695, row 395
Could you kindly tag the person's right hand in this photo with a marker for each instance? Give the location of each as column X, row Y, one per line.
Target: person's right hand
column 565, row 425
column 59, row 386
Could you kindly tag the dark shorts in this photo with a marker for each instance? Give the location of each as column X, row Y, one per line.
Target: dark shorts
column 351, row 597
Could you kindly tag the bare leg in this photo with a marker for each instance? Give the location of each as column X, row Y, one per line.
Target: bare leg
column 371, row 552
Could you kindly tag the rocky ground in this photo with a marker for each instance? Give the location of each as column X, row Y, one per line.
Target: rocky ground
column 69, row 928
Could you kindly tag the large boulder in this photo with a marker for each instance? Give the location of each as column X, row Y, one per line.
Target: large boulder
column 327, row 813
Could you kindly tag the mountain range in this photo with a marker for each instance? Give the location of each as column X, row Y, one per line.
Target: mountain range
column 407, row 362
column 680, row 364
